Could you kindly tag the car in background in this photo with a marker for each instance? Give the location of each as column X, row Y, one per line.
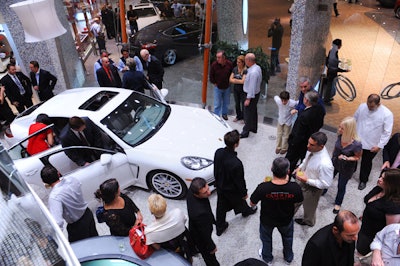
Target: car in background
column 28, row 233
column 148, row 143
column 387, row 3
column 397, row 9
column 147, row 15
column 170, row 40
column 115, row 250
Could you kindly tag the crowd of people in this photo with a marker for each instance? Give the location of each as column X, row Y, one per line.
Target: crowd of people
column 300, row 178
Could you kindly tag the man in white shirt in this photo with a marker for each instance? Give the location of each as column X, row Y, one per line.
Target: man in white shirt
column 374, row 126
column 66, row 203
column 251, row 87
column 314, row 175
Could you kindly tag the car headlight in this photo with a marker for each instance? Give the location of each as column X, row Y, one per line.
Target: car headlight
column 219, row 119
column 195, row 163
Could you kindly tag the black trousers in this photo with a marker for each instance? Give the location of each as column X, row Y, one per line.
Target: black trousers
column 85, row 227
column 251, row 116
column 209, row 259
column 366, row 165
column 294, row 154
column 6, row 113
column 225, row 204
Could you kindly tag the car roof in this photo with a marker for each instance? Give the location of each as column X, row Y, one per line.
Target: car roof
column 143, row 5
column 68, row 103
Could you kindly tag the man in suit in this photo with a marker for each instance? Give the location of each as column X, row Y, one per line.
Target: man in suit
column 18, row 88
column 230, row 182
column 391, row 152
column 133, row 79
column 308, row 122
column 107, row 75
column 154, row 68
column 81, row 132
column 42, row 81
column 334, row 244
column 201, row 219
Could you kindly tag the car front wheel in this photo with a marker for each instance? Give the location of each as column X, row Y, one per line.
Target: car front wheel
column 398, row 12
column 170, row 57
column 167, row 184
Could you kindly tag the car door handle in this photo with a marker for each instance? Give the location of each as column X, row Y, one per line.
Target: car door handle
column 31, row 173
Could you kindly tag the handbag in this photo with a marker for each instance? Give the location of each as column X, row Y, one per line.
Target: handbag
column 137, row 239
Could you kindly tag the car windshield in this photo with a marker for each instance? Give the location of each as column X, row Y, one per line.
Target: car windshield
column 27, row 235
column 145, row 12
column 137, row 119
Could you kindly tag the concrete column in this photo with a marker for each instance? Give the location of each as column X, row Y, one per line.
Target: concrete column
column 58, row 55
column 310, row 29
column 229, row 19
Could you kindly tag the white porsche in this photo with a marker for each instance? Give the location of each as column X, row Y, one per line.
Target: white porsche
column 150, row 144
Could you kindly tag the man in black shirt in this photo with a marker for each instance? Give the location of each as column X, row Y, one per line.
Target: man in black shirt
column 201, row 219
column 334, row 244
column 278, row 198
column 230, row 183
column 132, row 16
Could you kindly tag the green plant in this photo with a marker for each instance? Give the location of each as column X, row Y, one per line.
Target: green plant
column 232, row 51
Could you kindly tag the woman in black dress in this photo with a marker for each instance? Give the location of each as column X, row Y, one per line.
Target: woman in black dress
column 382, row 207
column 120, row 213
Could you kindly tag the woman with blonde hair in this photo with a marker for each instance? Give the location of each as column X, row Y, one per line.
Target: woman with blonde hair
column 168, row 229
column 347, row 152
column 237, row 78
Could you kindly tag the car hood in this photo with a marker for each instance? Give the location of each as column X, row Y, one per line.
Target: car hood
column 189, row 131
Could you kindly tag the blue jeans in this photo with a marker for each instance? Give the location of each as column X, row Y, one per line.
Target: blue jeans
column 221, row 100
column 287, row 240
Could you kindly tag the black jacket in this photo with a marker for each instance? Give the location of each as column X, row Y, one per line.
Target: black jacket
column 391, row 149
column 47, row 81
column 12, row 90
column 229, row 174
column 201, row 220
column 92, row 135
column 104, row 81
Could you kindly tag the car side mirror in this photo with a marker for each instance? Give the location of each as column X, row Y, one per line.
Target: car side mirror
column 105, row 158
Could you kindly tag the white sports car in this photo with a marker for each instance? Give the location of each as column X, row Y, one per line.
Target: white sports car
column 152, row 145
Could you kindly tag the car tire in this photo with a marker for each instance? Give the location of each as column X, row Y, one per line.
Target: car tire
column 169, row 57
column 397, row 13
column 167, row 184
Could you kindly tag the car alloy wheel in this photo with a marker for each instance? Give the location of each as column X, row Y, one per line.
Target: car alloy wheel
column 167, row 184
column 170, row 57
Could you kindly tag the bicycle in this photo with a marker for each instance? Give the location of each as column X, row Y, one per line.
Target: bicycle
column 385, row 93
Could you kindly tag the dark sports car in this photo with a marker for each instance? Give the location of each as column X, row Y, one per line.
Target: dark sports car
column 169, row 40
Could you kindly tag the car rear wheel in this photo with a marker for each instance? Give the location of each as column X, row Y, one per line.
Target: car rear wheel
column 398, row 12
column 169, row 57
column 167, row 184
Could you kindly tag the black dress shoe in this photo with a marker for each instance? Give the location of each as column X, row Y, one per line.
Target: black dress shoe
column 225, row 117
column 254, row 131
column 221, row 230
column 249, row 212
column 301, row 222
column 335, row 211
column 362, row 185
column 244, row 135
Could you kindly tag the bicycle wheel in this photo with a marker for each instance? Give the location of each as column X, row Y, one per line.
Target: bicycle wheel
column 345, row 88
column 387, row 92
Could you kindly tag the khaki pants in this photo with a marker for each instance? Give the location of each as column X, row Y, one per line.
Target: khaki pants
column 282, row 136
column 310, row 203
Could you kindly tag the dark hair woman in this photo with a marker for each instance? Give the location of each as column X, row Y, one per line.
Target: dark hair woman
column 382, row 207
column 120, row 213
column 44, row 139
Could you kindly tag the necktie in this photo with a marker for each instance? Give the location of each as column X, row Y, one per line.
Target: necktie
column 108, row 73
column 21, row 88
column 307, row 161
column 83, row 139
